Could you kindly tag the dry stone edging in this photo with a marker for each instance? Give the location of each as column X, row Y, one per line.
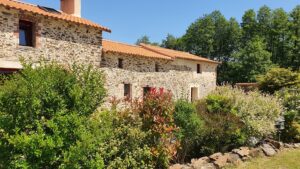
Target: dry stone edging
column 237, row 156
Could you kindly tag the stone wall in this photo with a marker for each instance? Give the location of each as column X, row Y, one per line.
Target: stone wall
column 55, row 39
column 179, row 82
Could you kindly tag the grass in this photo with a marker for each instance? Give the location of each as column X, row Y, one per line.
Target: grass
column 288, row 159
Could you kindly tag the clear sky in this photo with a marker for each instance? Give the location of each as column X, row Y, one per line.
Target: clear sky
column 131, row 19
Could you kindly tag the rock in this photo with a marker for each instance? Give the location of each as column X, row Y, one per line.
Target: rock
column 274, row 143
column 198, row 163
column 268, row 150
column 233, row 158
column 288, row 145
column 256, row 152
column 208, row 166
column 180, row 166
column 242, row 152
column 215, row 156
column 219, row 159
column 297, row 145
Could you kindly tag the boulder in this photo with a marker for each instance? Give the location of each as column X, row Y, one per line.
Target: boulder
column 297, row 145
column 274, row 143
column 209, row 166
column 242, row 152
column 233, row 158
column 288, row 145
column 268, row 150
column 180, row 166
column 198, row 163
column 219, row 159
column 256, row 152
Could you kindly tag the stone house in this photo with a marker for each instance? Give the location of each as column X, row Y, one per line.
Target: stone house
column 32, row 32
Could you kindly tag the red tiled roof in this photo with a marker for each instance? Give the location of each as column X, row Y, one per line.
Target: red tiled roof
column 63, row 16
column 121, row 48
column 177, row 54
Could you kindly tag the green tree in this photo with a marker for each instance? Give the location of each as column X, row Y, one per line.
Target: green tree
column 279, row 44
column 252, row 60
column 294, row 60
column 146, row 40
column 264, row 19
column 249, row 26
column 171, row 42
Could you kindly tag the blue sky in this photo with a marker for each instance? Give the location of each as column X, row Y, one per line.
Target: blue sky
column 131, row 19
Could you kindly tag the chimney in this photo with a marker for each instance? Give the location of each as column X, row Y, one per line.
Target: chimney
column 72, row 7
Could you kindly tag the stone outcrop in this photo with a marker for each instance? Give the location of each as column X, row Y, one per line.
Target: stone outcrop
column 237, row 156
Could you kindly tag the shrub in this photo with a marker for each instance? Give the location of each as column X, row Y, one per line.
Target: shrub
column 223, row 129
column 231, row 117
column 278, row 78
column 190, row 130
column 44, row 112
column 156, row 111
column 257, row 111
column 291, row 102
column 122, row 142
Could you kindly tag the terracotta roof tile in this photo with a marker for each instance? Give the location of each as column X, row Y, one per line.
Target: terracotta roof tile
column 121, row 48
column 177, row 54
column 63, row 16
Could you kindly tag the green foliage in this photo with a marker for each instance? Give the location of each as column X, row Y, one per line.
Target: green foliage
column 190, row 130
column 252, row 60
column 43, row 113
column 122, row 142
column 156, row 111
column 275, row 33
column 231, row 117
column 291, row 101
column 146, row 40
column 278, row 78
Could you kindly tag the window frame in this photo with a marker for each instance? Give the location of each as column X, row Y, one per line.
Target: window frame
column 156, row 67
column 29, row 33
column 199, row 68
column 127, row 94
column 120, row 63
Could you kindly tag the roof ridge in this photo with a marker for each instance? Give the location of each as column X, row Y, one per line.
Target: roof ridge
column 123, row 43
column 33, row 8
column 170, row 49
column 152, row 50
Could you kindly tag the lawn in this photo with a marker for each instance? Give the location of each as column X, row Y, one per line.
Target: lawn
column 289, row 159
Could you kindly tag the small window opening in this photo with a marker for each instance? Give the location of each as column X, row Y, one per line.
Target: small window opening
column 26, row 34
column 156, row 67
column 127, row 91
column 120, row 63
column 199, row 68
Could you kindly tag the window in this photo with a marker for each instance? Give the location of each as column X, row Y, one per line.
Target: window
column 146, row 90
column 26, row 33
column 120, row 63
column 127, row 90
column 194, row 94
column 199, row 68
column 156, row 67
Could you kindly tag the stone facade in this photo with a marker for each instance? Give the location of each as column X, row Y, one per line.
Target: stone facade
column 179, row 81
column 54, row 39
column 68, row 42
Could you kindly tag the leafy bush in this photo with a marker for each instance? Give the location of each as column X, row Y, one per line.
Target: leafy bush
column 291, row 101
column 156, row 111
column 190, row 130
column 231, row 117
column 223, row 130
column 43, row 117
column 122, row 143
column 278, row 78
